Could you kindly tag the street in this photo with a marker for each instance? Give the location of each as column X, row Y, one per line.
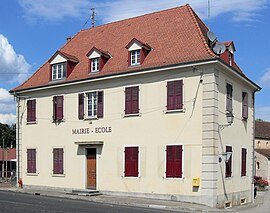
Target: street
column 12, row 202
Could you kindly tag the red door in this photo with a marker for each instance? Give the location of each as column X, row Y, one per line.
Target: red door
column 91, row 168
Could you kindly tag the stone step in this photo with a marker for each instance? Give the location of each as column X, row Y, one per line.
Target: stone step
column 85, row 192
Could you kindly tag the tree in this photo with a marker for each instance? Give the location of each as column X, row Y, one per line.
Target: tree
column 8, row 133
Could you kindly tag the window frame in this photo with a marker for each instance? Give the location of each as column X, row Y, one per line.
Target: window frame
column 99, row 105
column 244, row 105
column 133, row 111
column 182, row 163
column 95, row 64
column 229, row 97
column 138, row 161
column 243, row 173
column 56, row 73
column 31, row 117
column 136, row 55
column 58, row 173
column 229, row 164
column 56, row 116
column 28, row 171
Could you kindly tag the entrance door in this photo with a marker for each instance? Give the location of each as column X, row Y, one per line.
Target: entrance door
column 91, row 168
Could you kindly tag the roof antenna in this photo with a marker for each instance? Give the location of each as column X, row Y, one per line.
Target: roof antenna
column 93, row 17
column 209, row 15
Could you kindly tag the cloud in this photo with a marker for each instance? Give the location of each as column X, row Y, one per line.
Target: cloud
column 13, row 66
column 7, row 119
column 108, row 10
column 265, row 79
column 263, row 112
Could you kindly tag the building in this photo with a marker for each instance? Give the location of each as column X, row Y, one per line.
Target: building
column 139, row 107
column 7, row 162
column 262, row 149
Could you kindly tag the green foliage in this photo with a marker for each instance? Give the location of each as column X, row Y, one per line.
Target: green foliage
column 8, row 133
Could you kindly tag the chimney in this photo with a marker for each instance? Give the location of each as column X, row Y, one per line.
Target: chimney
column 68, row 38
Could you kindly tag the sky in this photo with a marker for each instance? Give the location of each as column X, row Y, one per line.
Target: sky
column 31, row 31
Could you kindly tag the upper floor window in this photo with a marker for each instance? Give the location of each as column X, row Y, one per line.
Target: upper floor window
column 58, row 108
column 229, row 89
column 244, row 105
column 132, row 100
column 95, row 64
column 94, row 105
column 58, row 71
column 175, row 95
column 135, row 57
column 31, row 110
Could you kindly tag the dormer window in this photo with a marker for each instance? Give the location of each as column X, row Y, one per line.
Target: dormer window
column 62, row 64
column 58, row 71
column 97, row 59
column 137, row 52
column 95, row 64
column 135, row 57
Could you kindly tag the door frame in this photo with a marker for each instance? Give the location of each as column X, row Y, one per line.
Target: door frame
column 86, row 165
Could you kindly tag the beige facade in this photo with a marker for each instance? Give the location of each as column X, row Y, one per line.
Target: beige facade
column 197, row 128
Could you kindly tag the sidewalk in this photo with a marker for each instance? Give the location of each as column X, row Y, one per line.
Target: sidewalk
column 134, row 201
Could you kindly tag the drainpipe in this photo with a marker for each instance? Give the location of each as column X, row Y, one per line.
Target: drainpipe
column 18, row 136
column 253, row 150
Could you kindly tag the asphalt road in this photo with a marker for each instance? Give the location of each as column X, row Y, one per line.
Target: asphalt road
column 12, row 202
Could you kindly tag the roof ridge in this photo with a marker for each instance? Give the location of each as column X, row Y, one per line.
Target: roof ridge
column 195, row 17
column 147, row 14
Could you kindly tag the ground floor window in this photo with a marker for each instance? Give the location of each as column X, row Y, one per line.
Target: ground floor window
column 244, row 162
column 58, row 164
column 31, row 161
column 174, row 161
column 228, row 165
column 131, row 161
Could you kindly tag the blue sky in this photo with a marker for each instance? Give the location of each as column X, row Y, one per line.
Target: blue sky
column 32, row 30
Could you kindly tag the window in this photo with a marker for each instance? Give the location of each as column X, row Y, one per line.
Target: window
column 228, row 166
column 131, row 161
column 58, row 108
column 229, row 97
column 174, row 161
column 94, row 104
column 244, row 105
column 132, row 100
column 175, row 95
column 58, row 71
column 58, row 161
column 31, row 161
column 94, row 64
column 244, row 162
column 135, row 57
column 31, row 110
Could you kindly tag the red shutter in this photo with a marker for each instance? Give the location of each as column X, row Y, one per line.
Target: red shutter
column 55, row 161
column 129, row 58
column 128, row 101
column 244, row 105
column 58, row 108
column 81, row 106
column 127, row 161
column 60, row 161
column 33, row 110
column 170, row 95
column 178, row 161
column 228, row 165
column 31, row 161
column 29, row 111
column 229, row 97
column 244, row 162
column 135, row 100
column 178, row 93
column 100, row 104
column 131, row 161
column 169, row 161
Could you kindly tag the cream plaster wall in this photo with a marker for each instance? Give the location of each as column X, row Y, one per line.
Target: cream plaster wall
column 151, row 131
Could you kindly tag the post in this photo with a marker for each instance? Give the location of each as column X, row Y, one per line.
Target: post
column 3, row 166
column 6, row 164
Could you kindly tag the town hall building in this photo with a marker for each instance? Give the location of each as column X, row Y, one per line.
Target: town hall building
column 152, row 106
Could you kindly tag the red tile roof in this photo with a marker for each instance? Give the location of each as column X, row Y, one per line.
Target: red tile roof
column 175, row 35
column 262, row 130
column 10, row 156
column 264, row 152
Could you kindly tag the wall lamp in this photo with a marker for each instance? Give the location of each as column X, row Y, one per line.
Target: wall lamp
column 230, row 119
column 225, row 156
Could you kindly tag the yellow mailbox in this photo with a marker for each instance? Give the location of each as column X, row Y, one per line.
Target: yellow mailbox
column 196, row 181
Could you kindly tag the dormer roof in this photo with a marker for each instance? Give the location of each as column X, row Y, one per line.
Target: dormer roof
column 138, row 42
column 230, row 46
column 100, row 52
column 64, row 55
